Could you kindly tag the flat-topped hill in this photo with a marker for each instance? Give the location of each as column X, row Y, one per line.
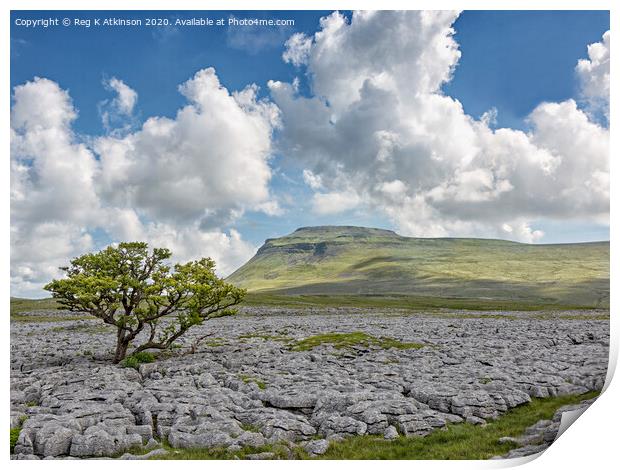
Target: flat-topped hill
column 371, row 261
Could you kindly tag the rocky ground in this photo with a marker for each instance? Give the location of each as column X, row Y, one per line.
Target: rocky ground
column 245, row 385
column 542, row 434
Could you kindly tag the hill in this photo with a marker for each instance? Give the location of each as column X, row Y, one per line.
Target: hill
column 340, row 260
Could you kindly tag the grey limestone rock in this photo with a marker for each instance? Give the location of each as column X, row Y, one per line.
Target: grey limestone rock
column 390, row 433
column 245, row 386
column 317, row 447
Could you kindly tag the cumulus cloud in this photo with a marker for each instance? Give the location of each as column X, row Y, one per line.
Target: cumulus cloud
column 378, row 132
column 176, row 182
column 593, row 74
column 334, row 202
column 52, row 195
column 210, row 162
column 297, row 49
column 117, row 113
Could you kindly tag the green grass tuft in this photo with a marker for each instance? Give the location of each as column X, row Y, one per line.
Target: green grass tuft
column 136, row 359
column 249, row 427
column 280, row 451
column 266, row 337
column 458, row 441
column 247, row 379
column 347, row 340
column 14, row 436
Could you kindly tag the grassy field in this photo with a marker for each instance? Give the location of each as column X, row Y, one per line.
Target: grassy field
column 19, row 305
column 347, row 340
column 455, row 442
column 339, row 261
column 401, row 302
column 404, row 302
column 30, row 310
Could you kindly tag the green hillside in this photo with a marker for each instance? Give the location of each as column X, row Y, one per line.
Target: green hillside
column 366, row 261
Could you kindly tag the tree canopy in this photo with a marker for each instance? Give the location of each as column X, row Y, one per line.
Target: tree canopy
column 136, row 290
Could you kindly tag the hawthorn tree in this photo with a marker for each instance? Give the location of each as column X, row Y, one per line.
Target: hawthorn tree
column 134, row 290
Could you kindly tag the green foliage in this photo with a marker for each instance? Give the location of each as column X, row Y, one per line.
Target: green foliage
column 130, row 362
column 249, row 427
column 133, row 289
column 247, row 379
column 457, row 442
column 14, row 436
column 444, row 271
column 138, row 358
column 144, row 357
column 280, row 451
column 347, row 340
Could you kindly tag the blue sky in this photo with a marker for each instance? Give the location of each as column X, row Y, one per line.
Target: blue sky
column 510, row 61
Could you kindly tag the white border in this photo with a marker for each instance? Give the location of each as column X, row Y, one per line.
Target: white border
column 591, row 443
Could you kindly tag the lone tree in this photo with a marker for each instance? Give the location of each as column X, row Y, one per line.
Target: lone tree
column 134, row 290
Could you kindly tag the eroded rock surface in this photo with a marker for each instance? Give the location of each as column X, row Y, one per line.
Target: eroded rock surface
column 541, row 435
column 244, row 386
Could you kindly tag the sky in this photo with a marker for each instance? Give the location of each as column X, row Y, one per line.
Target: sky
column 210, row 139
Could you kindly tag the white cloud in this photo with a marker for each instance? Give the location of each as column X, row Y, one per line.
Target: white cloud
column 51, row 172
column 334, row 202
column 175, row 182
column 312, row 180
column 117, row 113
column 379, row 132
column 126, row 99
column 211, row 160
column 410, row 51
column 297, row 49
column 593, row 74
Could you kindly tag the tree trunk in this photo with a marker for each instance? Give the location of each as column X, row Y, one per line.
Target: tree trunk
column 122, row 344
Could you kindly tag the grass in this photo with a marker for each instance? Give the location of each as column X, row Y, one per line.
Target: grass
column 15, row 433
column 249, row 427
column 458, row 441
column 48, row 318
column 347, row 340
column 543, row 316
column 280, row 451
column 266, row 337
column 247, row 379
column 90, row 329
column 215, row 342
column 408, row 303
column 415, row 303
column 14, row 436
column 136, row 359
column 455, row 442
column 352, row 260
column 19, row 305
